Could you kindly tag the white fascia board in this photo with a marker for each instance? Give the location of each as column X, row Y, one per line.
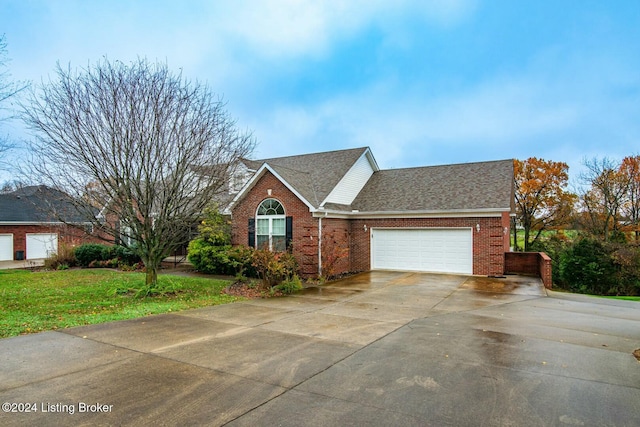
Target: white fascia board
column 459, row 213
column 372, row 160
column 254, row 179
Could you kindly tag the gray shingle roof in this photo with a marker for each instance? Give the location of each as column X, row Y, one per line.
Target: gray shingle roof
column 469, row 186
column 313, row 175
column 37, row 204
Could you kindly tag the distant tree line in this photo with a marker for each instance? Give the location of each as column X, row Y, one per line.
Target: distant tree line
column 601, row 252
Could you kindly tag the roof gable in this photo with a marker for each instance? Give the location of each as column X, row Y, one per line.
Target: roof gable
column 353, row 181
column 312, row 177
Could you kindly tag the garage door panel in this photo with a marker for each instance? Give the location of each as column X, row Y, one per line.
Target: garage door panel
column 41, row 245
column 436, row 250
column 6, row 247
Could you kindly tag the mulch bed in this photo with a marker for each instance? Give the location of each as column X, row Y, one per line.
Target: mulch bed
column 250, row 290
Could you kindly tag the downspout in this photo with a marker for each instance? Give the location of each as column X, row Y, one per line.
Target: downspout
column 320, row 245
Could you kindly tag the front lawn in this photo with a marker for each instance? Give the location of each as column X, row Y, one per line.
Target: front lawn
column 39, row 301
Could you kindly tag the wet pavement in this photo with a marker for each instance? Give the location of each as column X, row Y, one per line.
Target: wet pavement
column 379, row 348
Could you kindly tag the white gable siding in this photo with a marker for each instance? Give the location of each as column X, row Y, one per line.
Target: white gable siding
column 352, row 182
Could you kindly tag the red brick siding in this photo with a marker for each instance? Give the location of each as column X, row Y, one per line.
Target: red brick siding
column 66, row 235
column 532, row 263
column 305, row 227
column 506, row 226
column 336, row 246
column 488, row 243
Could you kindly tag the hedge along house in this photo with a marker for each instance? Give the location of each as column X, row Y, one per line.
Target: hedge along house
column 339, row 212
column 30, row 226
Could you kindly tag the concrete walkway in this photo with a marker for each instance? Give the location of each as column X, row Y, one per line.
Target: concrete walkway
column 381, row 348
column 27, row 263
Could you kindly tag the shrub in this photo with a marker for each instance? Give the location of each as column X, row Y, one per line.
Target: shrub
column 289, row 286
column 97, row 255
column 208, row 258
column 241, row 260
column 274, row 267
column 89, row 252
column 64, row 257
column 626, row 258
column 587, row 267
column 124, row 255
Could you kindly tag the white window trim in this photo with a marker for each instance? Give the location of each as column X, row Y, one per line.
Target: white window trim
column 270, row 218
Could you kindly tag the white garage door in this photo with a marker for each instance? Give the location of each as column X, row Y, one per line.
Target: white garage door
column 6, row 247
column 436, row 250
column 41, row 245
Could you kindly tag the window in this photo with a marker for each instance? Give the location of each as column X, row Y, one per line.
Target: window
column 271, row 226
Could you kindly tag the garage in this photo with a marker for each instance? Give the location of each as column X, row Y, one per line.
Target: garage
column 441, row 250
column 41, row 245
column 6, row 247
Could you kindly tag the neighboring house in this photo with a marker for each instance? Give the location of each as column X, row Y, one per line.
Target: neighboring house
column 342, row 213
column 30, row 226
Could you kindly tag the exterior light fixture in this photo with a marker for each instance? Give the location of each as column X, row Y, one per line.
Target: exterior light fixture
column 365, row 228
column 478, row 227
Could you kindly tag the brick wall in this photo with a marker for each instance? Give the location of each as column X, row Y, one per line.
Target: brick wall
column 488, row 243
column 347, row 238
column 336, row 246
column 305, row 227
column 66, row 235
column 531, row 263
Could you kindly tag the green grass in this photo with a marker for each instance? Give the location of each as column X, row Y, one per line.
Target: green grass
column 626, row 298
column 48, row 300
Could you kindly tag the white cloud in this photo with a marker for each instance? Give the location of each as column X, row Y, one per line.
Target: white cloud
column 292, row 28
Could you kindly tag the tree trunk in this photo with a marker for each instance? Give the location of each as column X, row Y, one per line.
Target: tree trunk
column 151, row 279
column 152, row 265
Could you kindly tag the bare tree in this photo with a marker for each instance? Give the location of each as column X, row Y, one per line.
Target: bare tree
column 8, row 89
column 141, row 150
column 630, row 168
column 605, row 197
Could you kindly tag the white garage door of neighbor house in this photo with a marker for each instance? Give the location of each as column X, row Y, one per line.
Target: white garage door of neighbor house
column 41, row 245
column 433, row 250
column 6, row 247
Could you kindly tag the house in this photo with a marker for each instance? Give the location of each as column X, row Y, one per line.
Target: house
column 30, row 226
column 339, row 212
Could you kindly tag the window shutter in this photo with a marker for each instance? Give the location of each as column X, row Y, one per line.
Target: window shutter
column 116, row 238
column 252, row 232
column 289, row 231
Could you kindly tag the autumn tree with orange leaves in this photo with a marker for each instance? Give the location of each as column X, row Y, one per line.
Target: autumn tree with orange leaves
column 542, row 199
column 630, row 167
column 611, row 204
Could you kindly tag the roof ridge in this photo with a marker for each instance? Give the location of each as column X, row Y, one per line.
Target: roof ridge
column 311, row 154
column 447, row 165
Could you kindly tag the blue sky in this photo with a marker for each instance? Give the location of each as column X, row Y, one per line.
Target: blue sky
column 421, row 82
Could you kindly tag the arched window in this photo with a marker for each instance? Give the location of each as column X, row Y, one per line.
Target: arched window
column 271, row 226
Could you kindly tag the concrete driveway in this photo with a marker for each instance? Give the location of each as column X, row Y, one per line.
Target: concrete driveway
column 380, row 348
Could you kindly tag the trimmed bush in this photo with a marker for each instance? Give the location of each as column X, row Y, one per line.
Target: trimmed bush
column 90, row 252
column 210, row 259
column 97, row 255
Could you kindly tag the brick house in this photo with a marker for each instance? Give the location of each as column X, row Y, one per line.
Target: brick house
column 30, row 227
column 339, row 212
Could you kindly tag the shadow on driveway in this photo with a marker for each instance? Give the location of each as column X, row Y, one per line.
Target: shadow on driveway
column 379, row 348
